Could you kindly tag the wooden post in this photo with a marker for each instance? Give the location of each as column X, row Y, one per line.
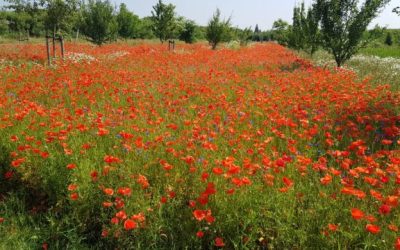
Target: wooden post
column 62, row 46
column 77, row 35
column 171, row 45
column 48, row 49
column 54, row 43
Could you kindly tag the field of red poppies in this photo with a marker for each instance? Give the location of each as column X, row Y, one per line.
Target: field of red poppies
column 134, row 146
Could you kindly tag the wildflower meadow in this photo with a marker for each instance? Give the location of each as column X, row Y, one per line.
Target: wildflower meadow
column 125, row 147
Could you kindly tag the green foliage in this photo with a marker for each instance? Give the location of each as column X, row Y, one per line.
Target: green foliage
column 25, row 16
column 18, row 22
column 297, row 36
column 343, row 25
column 60, row 14
column 304, row 33
column 311, row 29
column 145, row 28
column 389, row 39
column 217, row 30
column 244, row 36
column 127, row 23
column 280, row 32
column 3, row 23
column 164, row 22
column 99, row 22
column 188, row 33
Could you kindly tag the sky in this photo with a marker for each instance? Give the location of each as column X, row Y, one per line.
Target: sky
column 244, row 13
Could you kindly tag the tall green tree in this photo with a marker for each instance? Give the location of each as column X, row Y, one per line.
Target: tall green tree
column 297, row 36
column 99, row 22
column 127, row 23
column 217, row 30
column 163, row 16
column 312, row 31
column 188, row 32
column 145, row 28
column 60, row 14
column 343, row 24
column 280, row 31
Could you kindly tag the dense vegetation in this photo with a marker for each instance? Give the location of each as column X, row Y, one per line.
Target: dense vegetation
column 137, row 147
column 122, row 147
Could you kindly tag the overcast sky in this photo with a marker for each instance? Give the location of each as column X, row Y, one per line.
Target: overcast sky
column 245, row 13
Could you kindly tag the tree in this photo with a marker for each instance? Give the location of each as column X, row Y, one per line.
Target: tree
column 26, row 16
column 188, row 32
column 99, row 22
column 389, row 39
column 145, row 28
column 397, row 10
column 343, row 24
column 127, row 23
column 59, row 14
column 280, row 32
column 163, row 16
column 217, row 30
column 3, row 23
column 256, row 34
column 244, row 36
column 297, row 36
column 311, row 30
column 18, row 21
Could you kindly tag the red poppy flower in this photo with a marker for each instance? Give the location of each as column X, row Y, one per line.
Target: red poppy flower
column 397, row 244
column 199, row 234
column 357, row 214
column 219, row 242
column 130, row 224
column 374, row 229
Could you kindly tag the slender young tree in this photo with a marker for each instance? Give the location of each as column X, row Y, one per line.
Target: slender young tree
column 297, row 36
column 163, row 17
column 343, row 25
column 311, row 30
column 217, row 30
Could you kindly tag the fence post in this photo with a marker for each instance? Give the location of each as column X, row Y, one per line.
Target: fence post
column 48, row 49
column 54, row 45
column 62, row 46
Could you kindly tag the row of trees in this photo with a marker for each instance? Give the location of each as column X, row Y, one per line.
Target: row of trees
column 338, row 26
column 99, row 21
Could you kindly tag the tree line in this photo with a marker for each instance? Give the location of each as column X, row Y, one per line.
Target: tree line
column 338, row 26
column 100, row 22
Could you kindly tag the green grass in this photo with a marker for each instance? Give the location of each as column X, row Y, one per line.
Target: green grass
column 384, row 51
